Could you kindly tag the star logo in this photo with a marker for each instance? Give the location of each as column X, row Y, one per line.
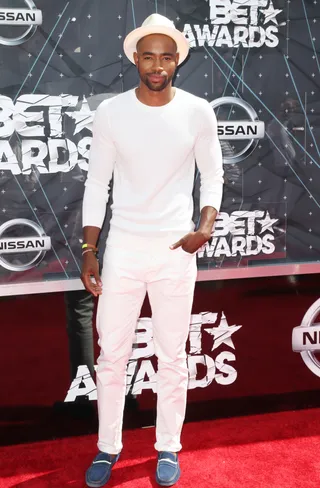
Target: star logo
column 83, row 118
column 267, row 223
column 270, row 14
column 222, row 334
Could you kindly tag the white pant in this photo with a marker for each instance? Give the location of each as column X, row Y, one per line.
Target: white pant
column 133, row 266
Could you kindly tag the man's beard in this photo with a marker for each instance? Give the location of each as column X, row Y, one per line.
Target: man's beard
column 155, row 86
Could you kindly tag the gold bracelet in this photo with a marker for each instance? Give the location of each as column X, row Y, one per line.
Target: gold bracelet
column 89, row 246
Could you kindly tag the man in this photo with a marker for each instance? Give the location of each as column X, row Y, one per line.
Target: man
column 148, row 138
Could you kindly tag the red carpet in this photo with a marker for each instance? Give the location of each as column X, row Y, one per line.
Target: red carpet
column 267, row 451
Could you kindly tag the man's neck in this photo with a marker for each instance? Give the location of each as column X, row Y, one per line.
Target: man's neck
column 155, row 98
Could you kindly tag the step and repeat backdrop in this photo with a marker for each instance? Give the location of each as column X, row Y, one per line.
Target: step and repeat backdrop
column 255, row 61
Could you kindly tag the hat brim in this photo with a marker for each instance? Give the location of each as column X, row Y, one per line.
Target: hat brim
column 132, row 39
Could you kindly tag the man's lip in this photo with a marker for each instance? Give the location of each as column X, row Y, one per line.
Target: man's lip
column 156, row 78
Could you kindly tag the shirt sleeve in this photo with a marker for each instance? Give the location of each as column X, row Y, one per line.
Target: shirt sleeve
column 101, row 165
column 209, row 159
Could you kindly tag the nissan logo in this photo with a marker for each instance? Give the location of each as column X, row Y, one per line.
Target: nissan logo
column 252, row 129
column 306, row 338
column 38, row 244
column 30, row 17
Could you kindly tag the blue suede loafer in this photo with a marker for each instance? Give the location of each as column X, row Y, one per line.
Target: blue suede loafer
column 168, row 469
column 100, row 470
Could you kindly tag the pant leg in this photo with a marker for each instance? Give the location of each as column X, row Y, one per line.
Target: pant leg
column 118, row 311
column 79, row 314
column 171, row 297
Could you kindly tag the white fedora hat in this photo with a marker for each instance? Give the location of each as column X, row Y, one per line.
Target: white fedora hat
column 156, row 24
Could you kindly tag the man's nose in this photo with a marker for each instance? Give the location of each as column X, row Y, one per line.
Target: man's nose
column 158, row 66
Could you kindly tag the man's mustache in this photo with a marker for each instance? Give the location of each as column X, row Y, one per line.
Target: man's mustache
column 163, row 74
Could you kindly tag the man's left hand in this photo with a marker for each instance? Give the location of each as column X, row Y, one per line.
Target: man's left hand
column 192, row 242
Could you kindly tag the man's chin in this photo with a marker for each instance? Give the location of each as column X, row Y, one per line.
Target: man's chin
column 156, row 86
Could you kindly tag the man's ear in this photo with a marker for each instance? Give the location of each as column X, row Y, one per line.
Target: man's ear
column 177, row 58
column 136, row 58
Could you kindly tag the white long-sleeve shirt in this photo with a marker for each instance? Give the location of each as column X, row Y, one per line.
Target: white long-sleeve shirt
column 151, row 152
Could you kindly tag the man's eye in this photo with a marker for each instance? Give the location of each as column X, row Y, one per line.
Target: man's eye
column 147, row 57
column 167, row 59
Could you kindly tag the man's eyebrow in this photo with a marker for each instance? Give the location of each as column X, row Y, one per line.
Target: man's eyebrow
column 149, row 53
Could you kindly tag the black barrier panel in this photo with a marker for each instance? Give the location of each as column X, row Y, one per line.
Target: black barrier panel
column 253, row 347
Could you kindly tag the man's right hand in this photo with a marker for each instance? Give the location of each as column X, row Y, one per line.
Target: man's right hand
column 90, row 267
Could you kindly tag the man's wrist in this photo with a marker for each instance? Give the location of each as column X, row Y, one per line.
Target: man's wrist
column 88, row 254
column 204, row 232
